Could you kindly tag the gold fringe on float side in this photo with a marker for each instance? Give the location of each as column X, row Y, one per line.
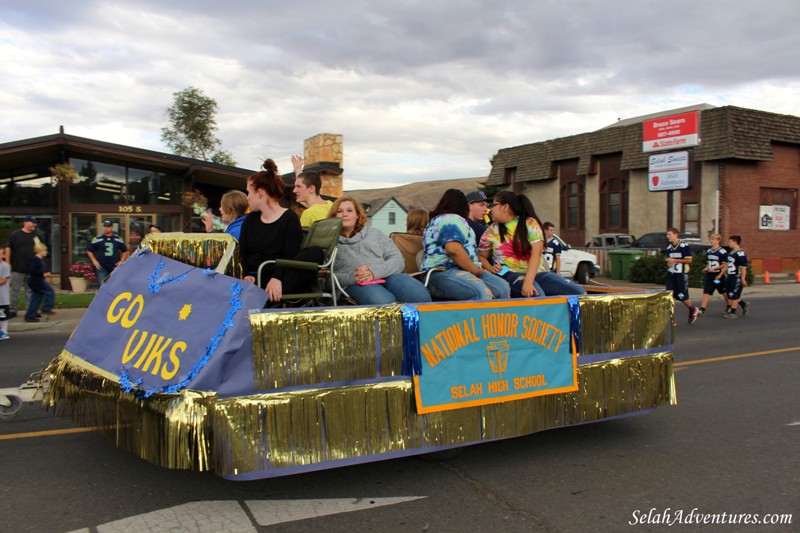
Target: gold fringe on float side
column 280, row 430
column 329, row 345
column 167, row 430
column 204, row 250
column 266, row 432
column 326, row 345
column 621, row 322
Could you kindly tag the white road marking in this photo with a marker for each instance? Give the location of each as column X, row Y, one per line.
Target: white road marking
column 230, row 517
column 794, row 423
column 270, row 512
column 199, row 517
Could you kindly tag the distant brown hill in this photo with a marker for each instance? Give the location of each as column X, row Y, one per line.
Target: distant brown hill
column 424, row 194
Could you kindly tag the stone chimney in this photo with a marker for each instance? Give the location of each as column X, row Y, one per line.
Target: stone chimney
column 323, row 153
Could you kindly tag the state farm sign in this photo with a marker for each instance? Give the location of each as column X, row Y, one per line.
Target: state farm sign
column 669, row 172
column 676, row 131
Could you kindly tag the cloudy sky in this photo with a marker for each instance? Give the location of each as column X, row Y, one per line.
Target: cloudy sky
column 420, row 89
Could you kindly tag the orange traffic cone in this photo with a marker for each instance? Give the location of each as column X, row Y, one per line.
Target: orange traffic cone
column 766, row 277
column 797, row 279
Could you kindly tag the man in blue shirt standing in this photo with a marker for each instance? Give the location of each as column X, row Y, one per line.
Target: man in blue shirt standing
column 679, row 257
column 106, row 252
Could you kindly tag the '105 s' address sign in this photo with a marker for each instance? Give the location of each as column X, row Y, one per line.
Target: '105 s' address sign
column 669, row 172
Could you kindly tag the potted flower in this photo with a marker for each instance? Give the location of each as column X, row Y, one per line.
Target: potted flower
column 80, row 273
column 63, row 172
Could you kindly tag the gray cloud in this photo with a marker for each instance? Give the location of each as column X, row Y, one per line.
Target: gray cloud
column 420, row 89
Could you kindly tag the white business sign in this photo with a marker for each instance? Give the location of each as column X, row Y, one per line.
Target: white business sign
column 773, row 217
column 668, row 172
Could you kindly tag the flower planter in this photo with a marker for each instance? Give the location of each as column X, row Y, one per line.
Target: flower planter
column 78, row 285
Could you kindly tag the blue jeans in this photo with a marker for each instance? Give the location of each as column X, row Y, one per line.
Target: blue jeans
column 457, row 284
column 515, row 280
column 102, row 274
column 398, row 288
column 49, row 296
column 555, row 285
column 17, row 280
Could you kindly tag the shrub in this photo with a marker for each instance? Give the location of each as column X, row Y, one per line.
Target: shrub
column 696, row 274
column 649, row 269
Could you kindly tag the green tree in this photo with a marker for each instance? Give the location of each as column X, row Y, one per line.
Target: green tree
column 192, row 128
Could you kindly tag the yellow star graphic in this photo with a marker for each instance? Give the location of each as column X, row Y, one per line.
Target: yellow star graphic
column 185, row 311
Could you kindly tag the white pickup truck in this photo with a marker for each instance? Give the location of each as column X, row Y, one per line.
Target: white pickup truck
column 577, row 265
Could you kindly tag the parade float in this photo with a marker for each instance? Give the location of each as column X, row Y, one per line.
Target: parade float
column 177, row 362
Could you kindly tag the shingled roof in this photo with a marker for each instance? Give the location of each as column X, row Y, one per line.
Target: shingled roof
column 726, row 133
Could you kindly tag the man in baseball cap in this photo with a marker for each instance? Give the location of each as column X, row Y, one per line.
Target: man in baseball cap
column 19, row 252
column 106, row 251
column 478, row 205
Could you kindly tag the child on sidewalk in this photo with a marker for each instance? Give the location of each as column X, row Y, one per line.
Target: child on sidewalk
column 40, row 288
column 737, row 278
column 5, row 301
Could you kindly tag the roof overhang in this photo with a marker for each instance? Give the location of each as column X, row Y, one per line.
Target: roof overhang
column 53, row 148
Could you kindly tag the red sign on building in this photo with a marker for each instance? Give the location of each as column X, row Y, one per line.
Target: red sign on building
column 676, row 131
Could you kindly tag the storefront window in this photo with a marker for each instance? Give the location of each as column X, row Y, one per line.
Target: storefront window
column 98, row 183
column 104, row 183
column 84, row 229
column 27, row 190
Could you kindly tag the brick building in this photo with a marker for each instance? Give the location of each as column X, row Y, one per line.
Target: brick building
column 746, row 165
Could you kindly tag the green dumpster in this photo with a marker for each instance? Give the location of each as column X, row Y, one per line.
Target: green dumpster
column 621, row 261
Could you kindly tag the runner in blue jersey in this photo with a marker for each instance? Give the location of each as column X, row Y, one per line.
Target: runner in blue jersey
column 679, row 257
column 552, row 248
column 737, row 278
column 716, row 265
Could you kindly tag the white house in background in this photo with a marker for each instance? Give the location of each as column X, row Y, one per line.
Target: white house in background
column 388, row 215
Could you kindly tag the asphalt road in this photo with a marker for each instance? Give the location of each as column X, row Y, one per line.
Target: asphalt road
column 729, row 446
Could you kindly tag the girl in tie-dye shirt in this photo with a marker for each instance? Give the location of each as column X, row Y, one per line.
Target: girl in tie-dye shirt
column 513, row 249
column 450, row 251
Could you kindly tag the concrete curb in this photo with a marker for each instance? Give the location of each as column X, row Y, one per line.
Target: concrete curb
column 62, row 317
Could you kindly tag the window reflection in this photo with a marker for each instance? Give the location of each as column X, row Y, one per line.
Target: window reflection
column 27, row 190
column 105, row 183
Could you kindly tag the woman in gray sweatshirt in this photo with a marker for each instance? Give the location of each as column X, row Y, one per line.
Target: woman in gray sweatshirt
column 368, row 264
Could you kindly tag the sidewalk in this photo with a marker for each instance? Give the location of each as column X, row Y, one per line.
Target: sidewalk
column 62, row 316
column 780, row 286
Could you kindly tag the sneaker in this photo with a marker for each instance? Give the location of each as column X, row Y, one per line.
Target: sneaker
column 4, row 336
column 693, row 314
column 33, row 320
column 12, row 314
column 49, row 313
column 730, row 315
column 701, row 311
column 745, row 308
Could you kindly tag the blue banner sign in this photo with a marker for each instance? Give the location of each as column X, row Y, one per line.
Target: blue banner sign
column 482, row 353
column 160, row 326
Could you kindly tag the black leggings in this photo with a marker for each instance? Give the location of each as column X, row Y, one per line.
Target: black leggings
column 295, row 280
